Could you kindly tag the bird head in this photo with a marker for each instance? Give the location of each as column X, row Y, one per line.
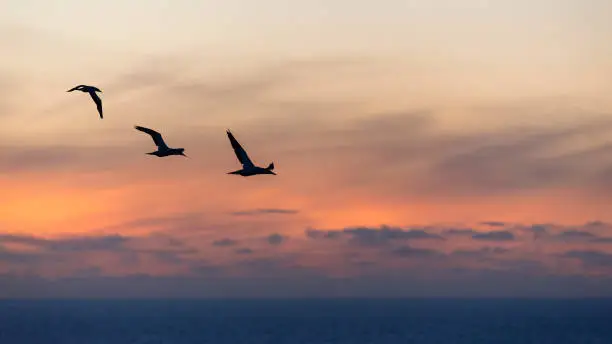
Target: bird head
column 182, row 152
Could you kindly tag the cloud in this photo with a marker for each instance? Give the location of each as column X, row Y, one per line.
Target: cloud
column 244, row 250
column 225, row 242
column 493, row 223
column 505, row 160
column 170, row 222
column 538, row 230
column 71, row 244
column 76, row 253
column 20, row 258
column 460, row 232
column 265, row 212
column 276, row 239
column 55, row 158
column 502, row 161
column 576, row 235
column 494, row 236
column 365, row 236
column 411, row 252
column 591, row 258
column 590, row 232
column 522, row 159
column 423, row 255
column 321, row 234
column 480, row 253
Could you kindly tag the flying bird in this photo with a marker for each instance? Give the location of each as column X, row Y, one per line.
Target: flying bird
column 92, row 92
column 248, row 168
column 162, row 149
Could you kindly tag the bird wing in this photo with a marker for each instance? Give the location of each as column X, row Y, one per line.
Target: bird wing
column 157, row 138
column 98, row 102
column 75, row 88
column 240, row 152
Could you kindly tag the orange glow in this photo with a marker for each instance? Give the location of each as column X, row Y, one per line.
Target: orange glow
column 45, row 208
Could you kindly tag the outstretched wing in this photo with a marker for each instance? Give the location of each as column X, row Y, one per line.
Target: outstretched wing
column 240, row 152
column 75, row 88
column 98, row 102
column 157, row 138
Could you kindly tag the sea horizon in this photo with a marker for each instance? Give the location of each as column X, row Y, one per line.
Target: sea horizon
column 354, row 321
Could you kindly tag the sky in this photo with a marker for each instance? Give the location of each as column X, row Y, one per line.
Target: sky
column 425, row 148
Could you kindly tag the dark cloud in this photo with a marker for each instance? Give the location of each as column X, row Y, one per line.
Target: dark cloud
column 597, row 224
column 591, row 258
column 526, row 266
column 225, row 242
column 206, row 270
column 276, row 239
column 493, row 224
column 590, row 232
column 244, row 250
column 575, row 235
column 410, row 257
column 265, row 211
column 370, row 236
column 480, row 253
column 412, row 252
column 374, row 236
column 364, row 263
column 128, row 249
column 103, row 243
column 538, row 230
column 72, row 244
column 460, row 232
column 321, row 234
column 383, row 235
column 20, row 258
column 494, row 236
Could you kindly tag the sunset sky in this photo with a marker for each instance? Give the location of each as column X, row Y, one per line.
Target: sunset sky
column 423, row 148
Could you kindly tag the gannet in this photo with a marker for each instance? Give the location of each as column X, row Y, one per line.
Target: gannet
column 162, row 148
column 92, row 92
column 248, row 168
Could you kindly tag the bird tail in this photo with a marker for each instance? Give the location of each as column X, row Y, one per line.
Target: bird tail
column 270, row 167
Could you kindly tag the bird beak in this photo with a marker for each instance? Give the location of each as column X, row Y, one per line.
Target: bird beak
column 183, row 154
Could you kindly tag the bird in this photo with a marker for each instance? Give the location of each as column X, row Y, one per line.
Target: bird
column 248, row 168
column 92, row 92
column 162, row 149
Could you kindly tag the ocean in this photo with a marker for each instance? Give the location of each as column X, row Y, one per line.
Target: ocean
column 427, row 321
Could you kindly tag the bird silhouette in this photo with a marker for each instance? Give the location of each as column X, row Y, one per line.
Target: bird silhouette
column 248, row 168
column 92, row 92
column 162, row 149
